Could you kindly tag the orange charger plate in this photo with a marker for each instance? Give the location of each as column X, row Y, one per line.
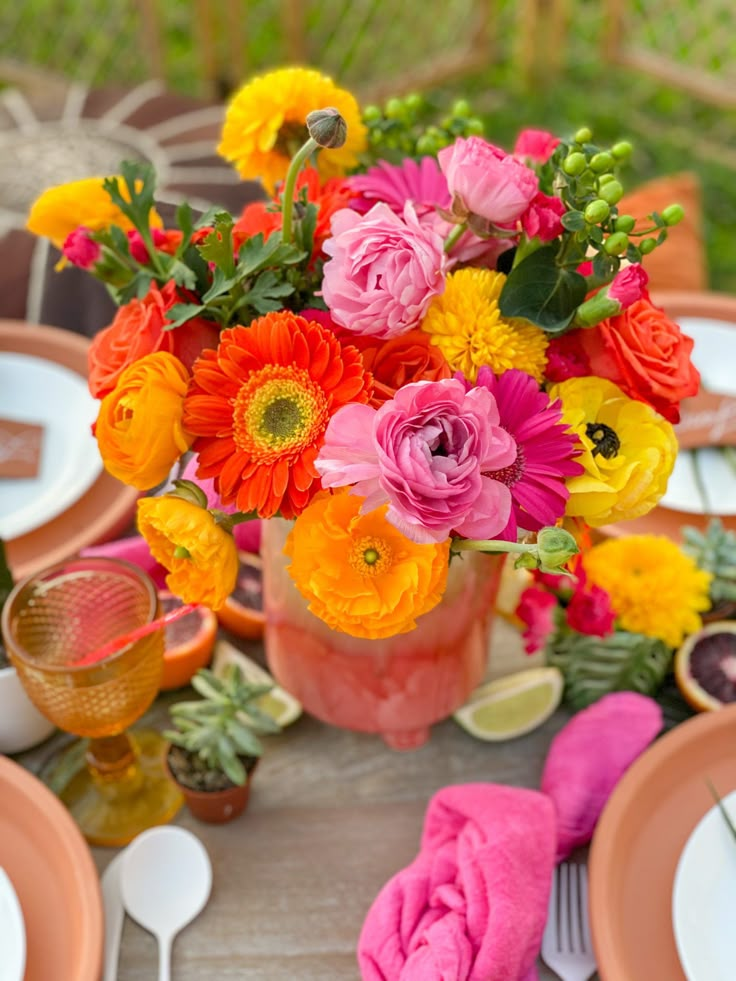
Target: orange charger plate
column 52, row 871
column 100, row 514
column 639, row 839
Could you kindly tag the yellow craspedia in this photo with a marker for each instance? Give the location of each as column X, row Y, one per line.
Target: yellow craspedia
column 627, row 450
column 359, row 573
column 466, row 324
column 655, row 588
column 59, row 210
column 200, row 555
column 265, row 125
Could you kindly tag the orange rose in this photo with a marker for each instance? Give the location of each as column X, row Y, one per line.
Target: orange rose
column 138, row 329
column 139, row 428
column 646, row 355
column 399, row 360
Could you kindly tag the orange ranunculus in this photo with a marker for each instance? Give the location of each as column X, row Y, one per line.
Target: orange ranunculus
column 138, row 329
column 359, row 573
column 139, row 428
column 200, row 555
column 646, row 355
column 398, row 361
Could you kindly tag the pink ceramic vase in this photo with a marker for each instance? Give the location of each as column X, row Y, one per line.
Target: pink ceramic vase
column 397, row 687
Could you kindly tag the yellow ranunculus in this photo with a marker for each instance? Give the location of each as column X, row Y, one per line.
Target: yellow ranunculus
column 59, row 210
column 359, row 573
column 200, row 555
column 139, row 428
column 628, row 451
column 265, row 125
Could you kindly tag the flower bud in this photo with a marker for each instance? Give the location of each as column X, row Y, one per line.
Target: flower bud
column 555, row 547
column 625, row 223
column 187, row 490
column 673, row 214
column 605, row 179
column 394, row 108
column 616, row 244
column 627, row 287
column 371, row 114
column 327, row 128
column 622, row 150
column 611, row 192
column 596, row 211
column 601, row 162
column 461, row 108
column 583, row 135
column 414, row 102
column 574, row 164
column 647, row 245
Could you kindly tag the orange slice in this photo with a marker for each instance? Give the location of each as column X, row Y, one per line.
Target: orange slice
column 705, row 666
column 189, row 642
column 242, row 613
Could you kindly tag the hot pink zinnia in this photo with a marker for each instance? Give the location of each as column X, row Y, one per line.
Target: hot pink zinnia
column 487, row 181
column 80, row 249
column 383, row 272
column 426, row 453
column 544, row 450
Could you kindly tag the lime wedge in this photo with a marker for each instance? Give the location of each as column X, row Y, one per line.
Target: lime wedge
column 279, row 704
column 511, row 706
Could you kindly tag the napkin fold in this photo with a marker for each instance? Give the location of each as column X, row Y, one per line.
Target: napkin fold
column 472, row 904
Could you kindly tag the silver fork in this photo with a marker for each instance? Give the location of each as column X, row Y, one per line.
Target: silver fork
column 566, row 945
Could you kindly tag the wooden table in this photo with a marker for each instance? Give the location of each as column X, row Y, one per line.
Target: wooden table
column 332, row 816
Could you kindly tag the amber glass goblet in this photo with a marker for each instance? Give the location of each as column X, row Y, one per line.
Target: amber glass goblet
column 114, row 783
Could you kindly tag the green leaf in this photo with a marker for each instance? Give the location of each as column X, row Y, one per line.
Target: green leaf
column 182, row 312
column 540, row 291
column 138, row 208
column 185, row 221
column 574, row 221
column 594, row 666
column 255, row 254
column 218, row 246
column 266, row 293
column 6, row 576
column 243, row 739
column 221, row 284
column 210, row 687
column 183, row 275
column 305, row 228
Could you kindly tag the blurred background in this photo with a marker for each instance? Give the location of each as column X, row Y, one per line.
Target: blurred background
column 82, row 81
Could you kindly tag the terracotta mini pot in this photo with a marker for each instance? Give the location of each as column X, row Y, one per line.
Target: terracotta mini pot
column 215, row 806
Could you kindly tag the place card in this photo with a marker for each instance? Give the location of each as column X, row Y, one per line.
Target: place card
column 20, row 448
column 708, row 419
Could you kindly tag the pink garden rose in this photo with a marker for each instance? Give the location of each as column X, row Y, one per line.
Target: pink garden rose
column 487, row 181
column 80, row 249
column 383, row 272
column 426, row 453
column 536, row 145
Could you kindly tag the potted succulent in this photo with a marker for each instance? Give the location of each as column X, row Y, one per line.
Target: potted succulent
column 215, row 747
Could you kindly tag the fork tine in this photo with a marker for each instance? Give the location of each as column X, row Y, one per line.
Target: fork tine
column 564, row 907
column 574, row 909
column 583, row 873
column 553, row 919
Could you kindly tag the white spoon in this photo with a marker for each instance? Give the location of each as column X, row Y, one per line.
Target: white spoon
column 165, row 881
column 114, row 916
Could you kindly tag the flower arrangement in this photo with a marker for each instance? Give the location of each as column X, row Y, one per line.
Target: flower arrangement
column 419, row 344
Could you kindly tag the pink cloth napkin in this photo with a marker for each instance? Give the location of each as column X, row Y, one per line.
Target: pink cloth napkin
column 472, row 905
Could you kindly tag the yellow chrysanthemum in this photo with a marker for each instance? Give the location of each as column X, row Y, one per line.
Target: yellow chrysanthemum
column 466, row 324
column 200, row 555
column 359, row 573
column 655, row 588
column 265, row 125
column 628, row 451
column 61, row 209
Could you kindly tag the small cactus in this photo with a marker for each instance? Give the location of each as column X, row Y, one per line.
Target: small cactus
column 714, row 551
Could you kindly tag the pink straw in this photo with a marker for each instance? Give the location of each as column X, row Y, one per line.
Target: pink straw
column 117, row 643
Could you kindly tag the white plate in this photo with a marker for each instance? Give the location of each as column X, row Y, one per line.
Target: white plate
column 704, row 899
column 714, row 355
column 41, row 392
column 12, row 933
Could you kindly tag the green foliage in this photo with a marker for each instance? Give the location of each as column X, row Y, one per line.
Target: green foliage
column 221, row 727
column 594, row 666
column 543, row 292
column 714, row 550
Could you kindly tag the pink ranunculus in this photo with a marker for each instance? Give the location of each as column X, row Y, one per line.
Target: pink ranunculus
column 628, row 285
column 536, row 145
column 536, row 611
column 487, row 181
column 426, row 453
column 80, row 249
column 542, row 219
column 383, row 272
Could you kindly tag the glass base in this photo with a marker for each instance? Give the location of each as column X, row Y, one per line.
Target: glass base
column 112, row 809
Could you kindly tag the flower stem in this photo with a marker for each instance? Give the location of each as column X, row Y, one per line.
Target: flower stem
column 480, row 545
column 454, row 236
column 287, row 201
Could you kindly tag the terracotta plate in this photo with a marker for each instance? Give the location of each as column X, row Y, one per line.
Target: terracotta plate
column 666, row 521
column 51, row 868
column 107, row 508
column 639, row 840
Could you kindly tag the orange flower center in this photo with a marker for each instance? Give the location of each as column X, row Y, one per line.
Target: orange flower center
column 370, row 556
column 278, row 411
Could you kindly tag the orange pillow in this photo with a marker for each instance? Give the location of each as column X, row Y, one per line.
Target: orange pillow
column 680, row 263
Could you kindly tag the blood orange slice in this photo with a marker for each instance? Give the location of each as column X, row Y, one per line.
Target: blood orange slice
column 189, row 642
column 705, row 666
column 242, row 613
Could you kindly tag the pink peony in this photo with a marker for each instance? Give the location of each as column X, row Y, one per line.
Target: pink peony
column 426, row 453
column 536, row 611
column 628, row 285
column 486, row 181
column 383, row 272
column 80, row 249
column 535, row 145
column 542, row 218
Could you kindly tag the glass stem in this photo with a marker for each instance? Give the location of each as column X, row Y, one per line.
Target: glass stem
column 110, row 756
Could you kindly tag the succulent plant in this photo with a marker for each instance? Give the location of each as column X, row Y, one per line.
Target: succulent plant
column 714, row 550
column 221, row 727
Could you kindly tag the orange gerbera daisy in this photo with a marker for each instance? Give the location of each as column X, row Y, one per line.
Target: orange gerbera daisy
column 260, row 405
